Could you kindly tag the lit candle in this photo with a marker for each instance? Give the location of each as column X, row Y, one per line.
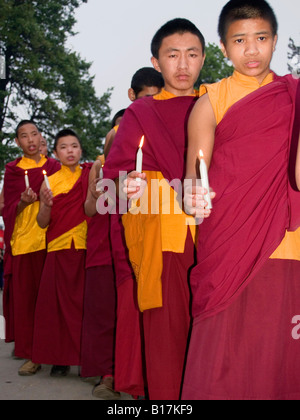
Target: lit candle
column 99, row 187
column 27, row 180
column 205, row 181
column 46, row 180
column 139, row 158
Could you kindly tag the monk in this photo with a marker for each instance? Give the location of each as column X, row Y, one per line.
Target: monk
column 59, row 310
column 246, row 283
column 145, row 82
column 106, row 237
column 99, row 320
column 25, row 241
column 161, row 246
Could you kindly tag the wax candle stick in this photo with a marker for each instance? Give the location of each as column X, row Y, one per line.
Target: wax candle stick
column 139, row 158
column 27, row 180
column 46, row 180
column 205, row 181
column 99, row 187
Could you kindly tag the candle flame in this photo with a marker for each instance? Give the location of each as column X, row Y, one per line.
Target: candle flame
column 44, row 172
column 142, row 142
column 26, row 172
column 201, row 154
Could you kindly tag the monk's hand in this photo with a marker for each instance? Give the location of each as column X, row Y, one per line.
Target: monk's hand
column 28, row 197
column 134, row 185
column 46, row 197
column 194, row 201
column 96, row 188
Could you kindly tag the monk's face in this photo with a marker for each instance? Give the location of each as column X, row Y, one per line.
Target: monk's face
column 43, row 146
column 68, row 151
column 147, row 91
column 250, row 45
column 180, row 61
column 29, row 139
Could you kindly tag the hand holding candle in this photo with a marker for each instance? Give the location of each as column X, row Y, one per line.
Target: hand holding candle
column 205, row 181
column 46, row 180
column 139, row 158
column 99, row 187
column 27, row 180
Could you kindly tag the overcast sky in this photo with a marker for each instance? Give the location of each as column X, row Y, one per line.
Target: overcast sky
column 116, row 35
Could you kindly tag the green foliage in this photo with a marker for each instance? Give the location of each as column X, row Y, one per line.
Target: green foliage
column 215, row 68
column 46, row 81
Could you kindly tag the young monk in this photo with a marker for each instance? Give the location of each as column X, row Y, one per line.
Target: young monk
column 244, row 295
column 99, row 321
column 161, row 247
column 25, row 241
column 99, row 326
column 145, row 82
column 59, row 311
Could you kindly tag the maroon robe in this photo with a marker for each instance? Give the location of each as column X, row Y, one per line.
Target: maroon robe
column 59, row 309
column 243, row 303
column 163, row 123
column 254, row 203
column 99, row 317
column 14, row 186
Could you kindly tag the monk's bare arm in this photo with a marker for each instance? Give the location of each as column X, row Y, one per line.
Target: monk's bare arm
column 46, row 203
column 109, row 142
column 201, row 134
column 298, row 166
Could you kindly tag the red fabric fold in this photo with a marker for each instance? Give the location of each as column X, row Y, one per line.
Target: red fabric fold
column 254, row 204
column 161, row 122
column 65, row 213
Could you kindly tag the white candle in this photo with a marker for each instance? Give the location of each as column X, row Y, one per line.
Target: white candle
column 205, row 181
column 99, row 187
column 27, row 180
column 139, row 158
column 46, row 180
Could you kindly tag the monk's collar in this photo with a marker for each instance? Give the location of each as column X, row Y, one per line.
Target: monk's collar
column 250, row 81
column 68, row 171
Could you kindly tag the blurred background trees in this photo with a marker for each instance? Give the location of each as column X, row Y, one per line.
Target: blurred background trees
column 43, row 80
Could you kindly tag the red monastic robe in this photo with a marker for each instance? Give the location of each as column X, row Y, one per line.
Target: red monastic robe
column 59, row 310
column 165, row 329
column 14, row 186
column 243, row 303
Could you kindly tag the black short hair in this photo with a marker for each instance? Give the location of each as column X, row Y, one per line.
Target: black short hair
column 245, row 9
column 65, row 133
column 119, row 114
column 146, row 77
column 175, row 26
column 25, row 122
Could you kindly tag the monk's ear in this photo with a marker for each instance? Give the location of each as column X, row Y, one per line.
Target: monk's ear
column 17, row 142
column 275, row 42
column 131, row 95
column 223, row 49
column 155, row 64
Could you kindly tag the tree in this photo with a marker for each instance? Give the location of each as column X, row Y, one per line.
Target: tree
column 44, row 80
column 216, row 66
column 294, row 58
